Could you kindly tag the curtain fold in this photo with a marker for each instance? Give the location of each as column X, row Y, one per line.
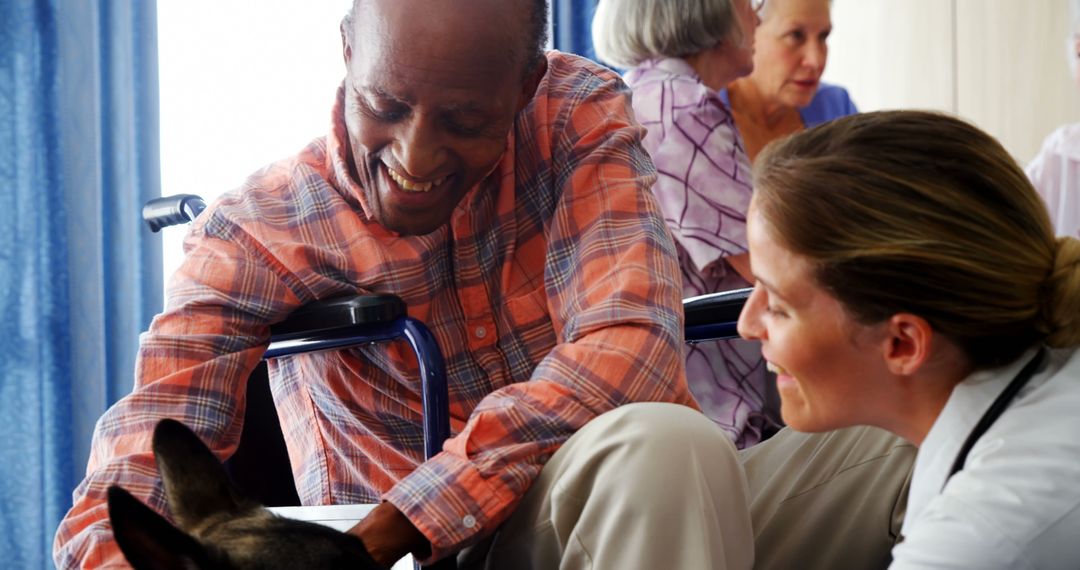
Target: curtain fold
column 80, row 277
column 571, row 26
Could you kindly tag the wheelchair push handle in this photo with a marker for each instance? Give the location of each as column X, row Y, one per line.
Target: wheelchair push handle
column 172, row 210
column 714, row 316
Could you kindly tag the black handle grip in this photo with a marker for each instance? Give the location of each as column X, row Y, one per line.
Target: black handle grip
column 320, row 317
column 172, row 210
column 715, row 307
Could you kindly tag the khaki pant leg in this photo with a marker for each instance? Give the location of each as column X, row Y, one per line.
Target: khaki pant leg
column 650, row 486
column 833, row 500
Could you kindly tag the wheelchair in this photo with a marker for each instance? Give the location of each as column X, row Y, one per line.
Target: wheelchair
column 260, row 466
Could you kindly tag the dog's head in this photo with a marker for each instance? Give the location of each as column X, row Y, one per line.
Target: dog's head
column 218, row 528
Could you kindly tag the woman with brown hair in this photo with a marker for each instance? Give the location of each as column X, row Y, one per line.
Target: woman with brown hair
column 908, row 277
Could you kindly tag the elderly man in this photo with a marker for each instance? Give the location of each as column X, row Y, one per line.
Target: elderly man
column 503, row 193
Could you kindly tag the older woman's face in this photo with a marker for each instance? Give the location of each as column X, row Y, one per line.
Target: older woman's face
column 791, row 50
column 742, row 53
column 826, row 362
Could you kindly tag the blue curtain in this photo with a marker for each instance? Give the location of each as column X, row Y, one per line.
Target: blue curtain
column 79, row 276
column 571, row 26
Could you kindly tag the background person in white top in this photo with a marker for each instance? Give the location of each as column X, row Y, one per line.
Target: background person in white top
column 936, row 279
column 1055, row 171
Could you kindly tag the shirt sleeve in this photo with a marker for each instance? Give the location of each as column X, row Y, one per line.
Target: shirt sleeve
column 192, row 366
column 849, row 106
column 703, row 185
column 614, row 296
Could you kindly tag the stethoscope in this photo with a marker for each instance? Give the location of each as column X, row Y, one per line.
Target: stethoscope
column 995, row 410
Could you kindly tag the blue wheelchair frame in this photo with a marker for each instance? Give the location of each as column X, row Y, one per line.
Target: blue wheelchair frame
column 341, row 323
column 365, row 319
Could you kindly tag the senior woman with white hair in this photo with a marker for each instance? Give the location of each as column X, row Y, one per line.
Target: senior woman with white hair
column 785, row 94
column 680, row 54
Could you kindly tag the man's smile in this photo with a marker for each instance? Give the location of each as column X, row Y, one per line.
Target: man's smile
column 414, row 186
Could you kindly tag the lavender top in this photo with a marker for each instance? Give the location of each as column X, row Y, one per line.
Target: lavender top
column 704, row 192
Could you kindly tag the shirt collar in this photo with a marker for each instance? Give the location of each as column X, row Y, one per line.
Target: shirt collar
column 674, row 65
column 337, row 156
column 966, row 405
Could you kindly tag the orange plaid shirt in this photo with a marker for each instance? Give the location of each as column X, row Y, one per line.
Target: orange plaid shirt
column 554, row 293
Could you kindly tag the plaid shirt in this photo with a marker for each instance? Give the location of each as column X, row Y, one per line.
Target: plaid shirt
column 554, row 292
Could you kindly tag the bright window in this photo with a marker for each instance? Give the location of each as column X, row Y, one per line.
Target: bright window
column 242, row 85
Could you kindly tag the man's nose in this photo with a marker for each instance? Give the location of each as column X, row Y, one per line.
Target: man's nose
column 749, row 324
column 419, row 150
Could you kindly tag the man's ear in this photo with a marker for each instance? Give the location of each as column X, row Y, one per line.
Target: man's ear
column 907, row 343
column 346, row 48
column 530, row 83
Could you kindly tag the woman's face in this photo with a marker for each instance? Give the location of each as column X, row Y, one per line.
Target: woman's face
column 826, row 363
column 791, row 50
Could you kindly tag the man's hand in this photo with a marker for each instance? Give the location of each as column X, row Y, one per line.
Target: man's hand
column 388, row 535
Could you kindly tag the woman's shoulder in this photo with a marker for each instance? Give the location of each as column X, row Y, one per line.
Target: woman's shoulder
column 669, row 94
column 670, row 73
column 830, row 102
column 1064, row 142
column 1017, row 494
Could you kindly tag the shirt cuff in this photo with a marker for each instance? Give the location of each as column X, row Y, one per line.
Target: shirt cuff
column 451, row 503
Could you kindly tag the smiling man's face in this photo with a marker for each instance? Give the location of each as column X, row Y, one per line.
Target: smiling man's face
column 431, row 93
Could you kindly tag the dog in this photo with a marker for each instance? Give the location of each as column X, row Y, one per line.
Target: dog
column 218, row 527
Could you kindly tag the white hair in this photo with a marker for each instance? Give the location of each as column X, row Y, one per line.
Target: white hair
column 628, row 32
column 768, row 4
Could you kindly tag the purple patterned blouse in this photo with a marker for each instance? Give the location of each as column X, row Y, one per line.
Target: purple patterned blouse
column 704, row 191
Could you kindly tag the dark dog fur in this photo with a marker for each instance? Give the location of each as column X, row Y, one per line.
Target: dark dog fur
column 218, row 528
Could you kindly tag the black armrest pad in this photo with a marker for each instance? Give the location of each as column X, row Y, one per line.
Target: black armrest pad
column 340, row 312
column 715, row 307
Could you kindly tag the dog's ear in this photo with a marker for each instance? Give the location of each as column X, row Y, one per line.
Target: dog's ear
column 147, row 540
column 196, row 484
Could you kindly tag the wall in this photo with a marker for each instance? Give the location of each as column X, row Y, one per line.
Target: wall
column 998, row 63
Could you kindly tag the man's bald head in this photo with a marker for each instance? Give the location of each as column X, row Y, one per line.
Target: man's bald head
column 532, row 25
column 432, row 91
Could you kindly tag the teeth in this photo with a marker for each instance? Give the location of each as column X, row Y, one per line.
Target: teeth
column 774, row 368
column 413, row 186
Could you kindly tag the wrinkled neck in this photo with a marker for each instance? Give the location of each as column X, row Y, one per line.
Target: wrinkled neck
column 715, row 71
column 746, row 96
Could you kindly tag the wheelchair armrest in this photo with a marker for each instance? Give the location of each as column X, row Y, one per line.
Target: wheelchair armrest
column 326, row 317
column 714, row 316
column 715, row 307
column 365, row 319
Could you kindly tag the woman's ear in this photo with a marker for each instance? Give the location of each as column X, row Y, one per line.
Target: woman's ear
column 907, row 343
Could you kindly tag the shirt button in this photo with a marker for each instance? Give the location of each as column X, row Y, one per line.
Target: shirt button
column 480, row 332
column 469, row 521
